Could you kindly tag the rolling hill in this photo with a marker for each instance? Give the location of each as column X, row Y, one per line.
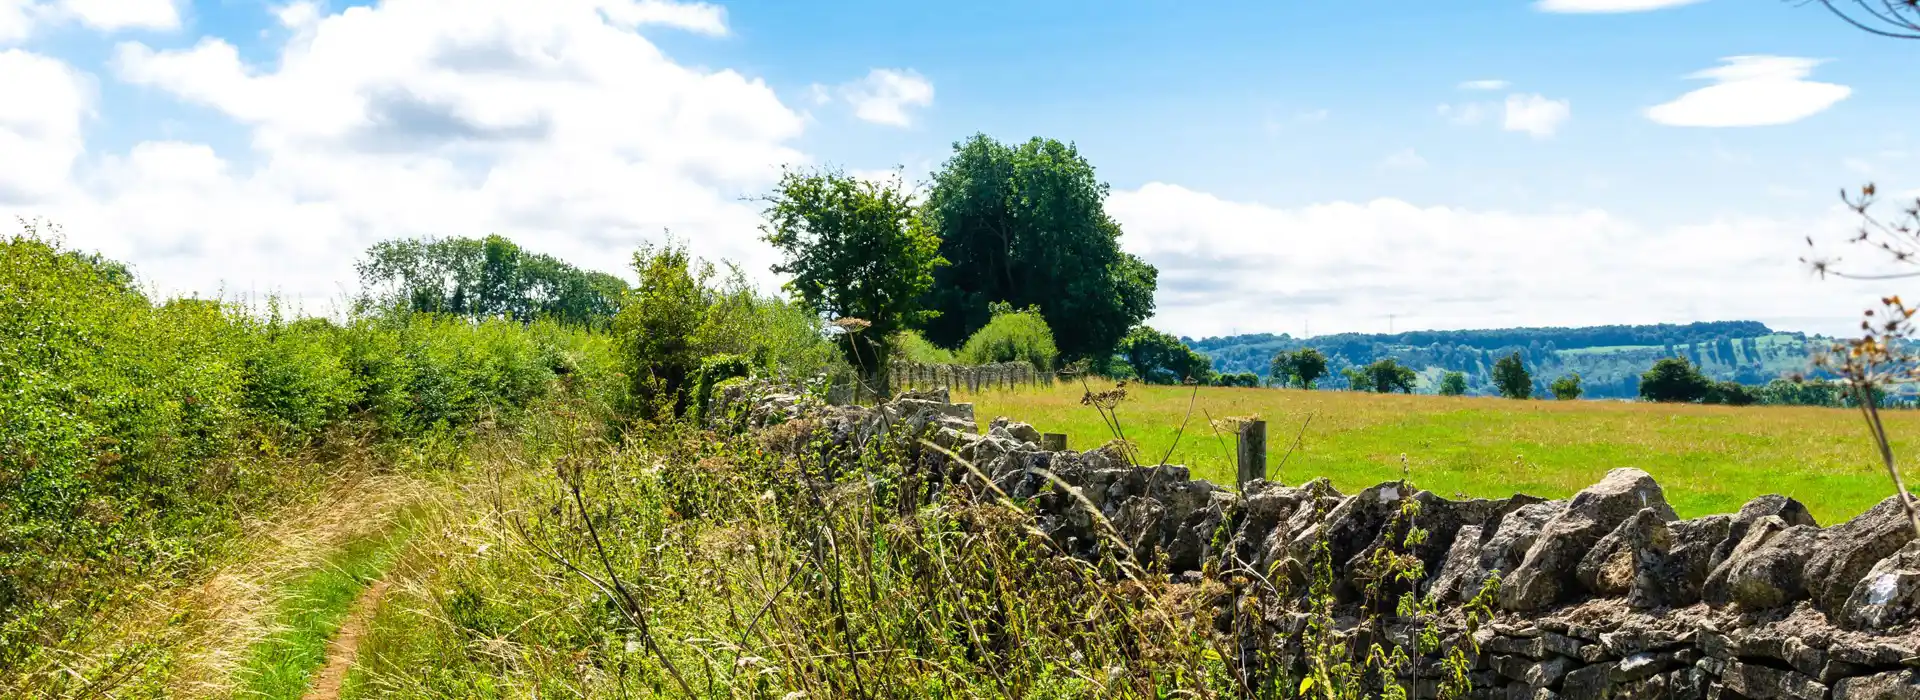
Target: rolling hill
column 1609, row 359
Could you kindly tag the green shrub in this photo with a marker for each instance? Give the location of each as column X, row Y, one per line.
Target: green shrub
column 911, row 346
column 683, row 310
column 715, row 369
column 296, row 379
column 1567, row 388
column 1240, row 379
column 1453, row 384
column 1731, row 394
column 1012, row 336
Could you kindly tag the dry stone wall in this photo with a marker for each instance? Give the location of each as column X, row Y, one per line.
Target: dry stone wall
column 1604, row 594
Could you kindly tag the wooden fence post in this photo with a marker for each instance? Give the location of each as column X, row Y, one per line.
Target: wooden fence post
column 1054, row 442
column 1253, row 451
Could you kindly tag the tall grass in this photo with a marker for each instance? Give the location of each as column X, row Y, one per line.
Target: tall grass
column 753, row 575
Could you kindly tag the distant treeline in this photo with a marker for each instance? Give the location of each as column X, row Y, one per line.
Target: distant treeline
column 1499, row 338
column 1609, row 359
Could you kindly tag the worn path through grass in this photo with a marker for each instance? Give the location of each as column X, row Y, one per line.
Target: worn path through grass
column 1710, row 459
column 256, row 627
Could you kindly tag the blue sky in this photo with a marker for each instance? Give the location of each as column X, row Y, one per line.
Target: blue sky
column 1283, row 164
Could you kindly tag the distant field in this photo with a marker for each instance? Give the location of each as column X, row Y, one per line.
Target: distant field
column 1710, row 459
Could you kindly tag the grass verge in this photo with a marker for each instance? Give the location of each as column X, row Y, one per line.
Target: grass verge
column 312, row 608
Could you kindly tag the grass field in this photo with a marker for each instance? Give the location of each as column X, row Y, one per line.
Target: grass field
column 1709, row 459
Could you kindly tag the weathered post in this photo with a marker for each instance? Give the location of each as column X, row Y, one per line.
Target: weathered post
column 1053, row 442
column 1253, row 451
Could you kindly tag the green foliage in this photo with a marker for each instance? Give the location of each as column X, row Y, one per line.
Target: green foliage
column 1159, row 358
column 1012, row 336
column 1387, row 376
column 1511, row 377
column 1788, row 392
column 1239, row 379
column 1026, row 224
column 484, row 278
column 1674, row 380
column 1357, row 379
column 911, row 346
column 1454, row 384
column 1300, row 368
column 1567, row 388
column 684, row 310
column 713, row 370
column 1731, row 394
column 137, row 436
column 855, row 250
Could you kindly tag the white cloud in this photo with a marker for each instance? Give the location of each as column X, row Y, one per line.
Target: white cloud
column 1404, row 160
column 1484, row 85
column 1346, row 265
column 1530, row 113
column 1752, row 91
column 697, row 17
column 1597, row 6
column 885, row 95
column 40, row 137
column 117, row 15
column 300, row 14
column 1535, row 115
column 554, row 123
column 17, row 20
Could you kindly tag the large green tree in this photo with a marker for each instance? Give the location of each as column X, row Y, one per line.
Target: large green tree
column 1511, row 377
column 1300, row 368
column 1026, row 225
column 484, row 278
column 1674, row 380
column 1159, row 358
column 855, row 250
column 1386, row 375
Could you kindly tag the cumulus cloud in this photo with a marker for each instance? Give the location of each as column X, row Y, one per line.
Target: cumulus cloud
column 40, row 137
column 884, row 96
column 1608, row 6
column 1752, row 91
column 1226, row 264
column 557, row 123
column 1484, row 85
column 1535, row 115
column 17, row 18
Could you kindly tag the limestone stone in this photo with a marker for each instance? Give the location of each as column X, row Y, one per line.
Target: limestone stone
column 1547, row 573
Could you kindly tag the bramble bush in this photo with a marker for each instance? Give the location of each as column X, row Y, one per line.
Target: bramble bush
column 1012, row 336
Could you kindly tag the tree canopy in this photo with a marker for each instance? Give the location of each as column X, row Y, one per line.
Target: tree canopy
column 855, row 250
column 1388, row 375
column 1674, row 380
column 1300, row 368
column 1454, row 384
column 485, row 278
column 1511, row 377
column 1159, row 358
column 1026, row 225
column 1567, row 388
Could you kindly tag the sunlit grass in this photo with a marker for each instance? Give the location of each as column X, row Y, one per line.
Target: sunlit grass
column 312, row 609
column 1709, row 459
